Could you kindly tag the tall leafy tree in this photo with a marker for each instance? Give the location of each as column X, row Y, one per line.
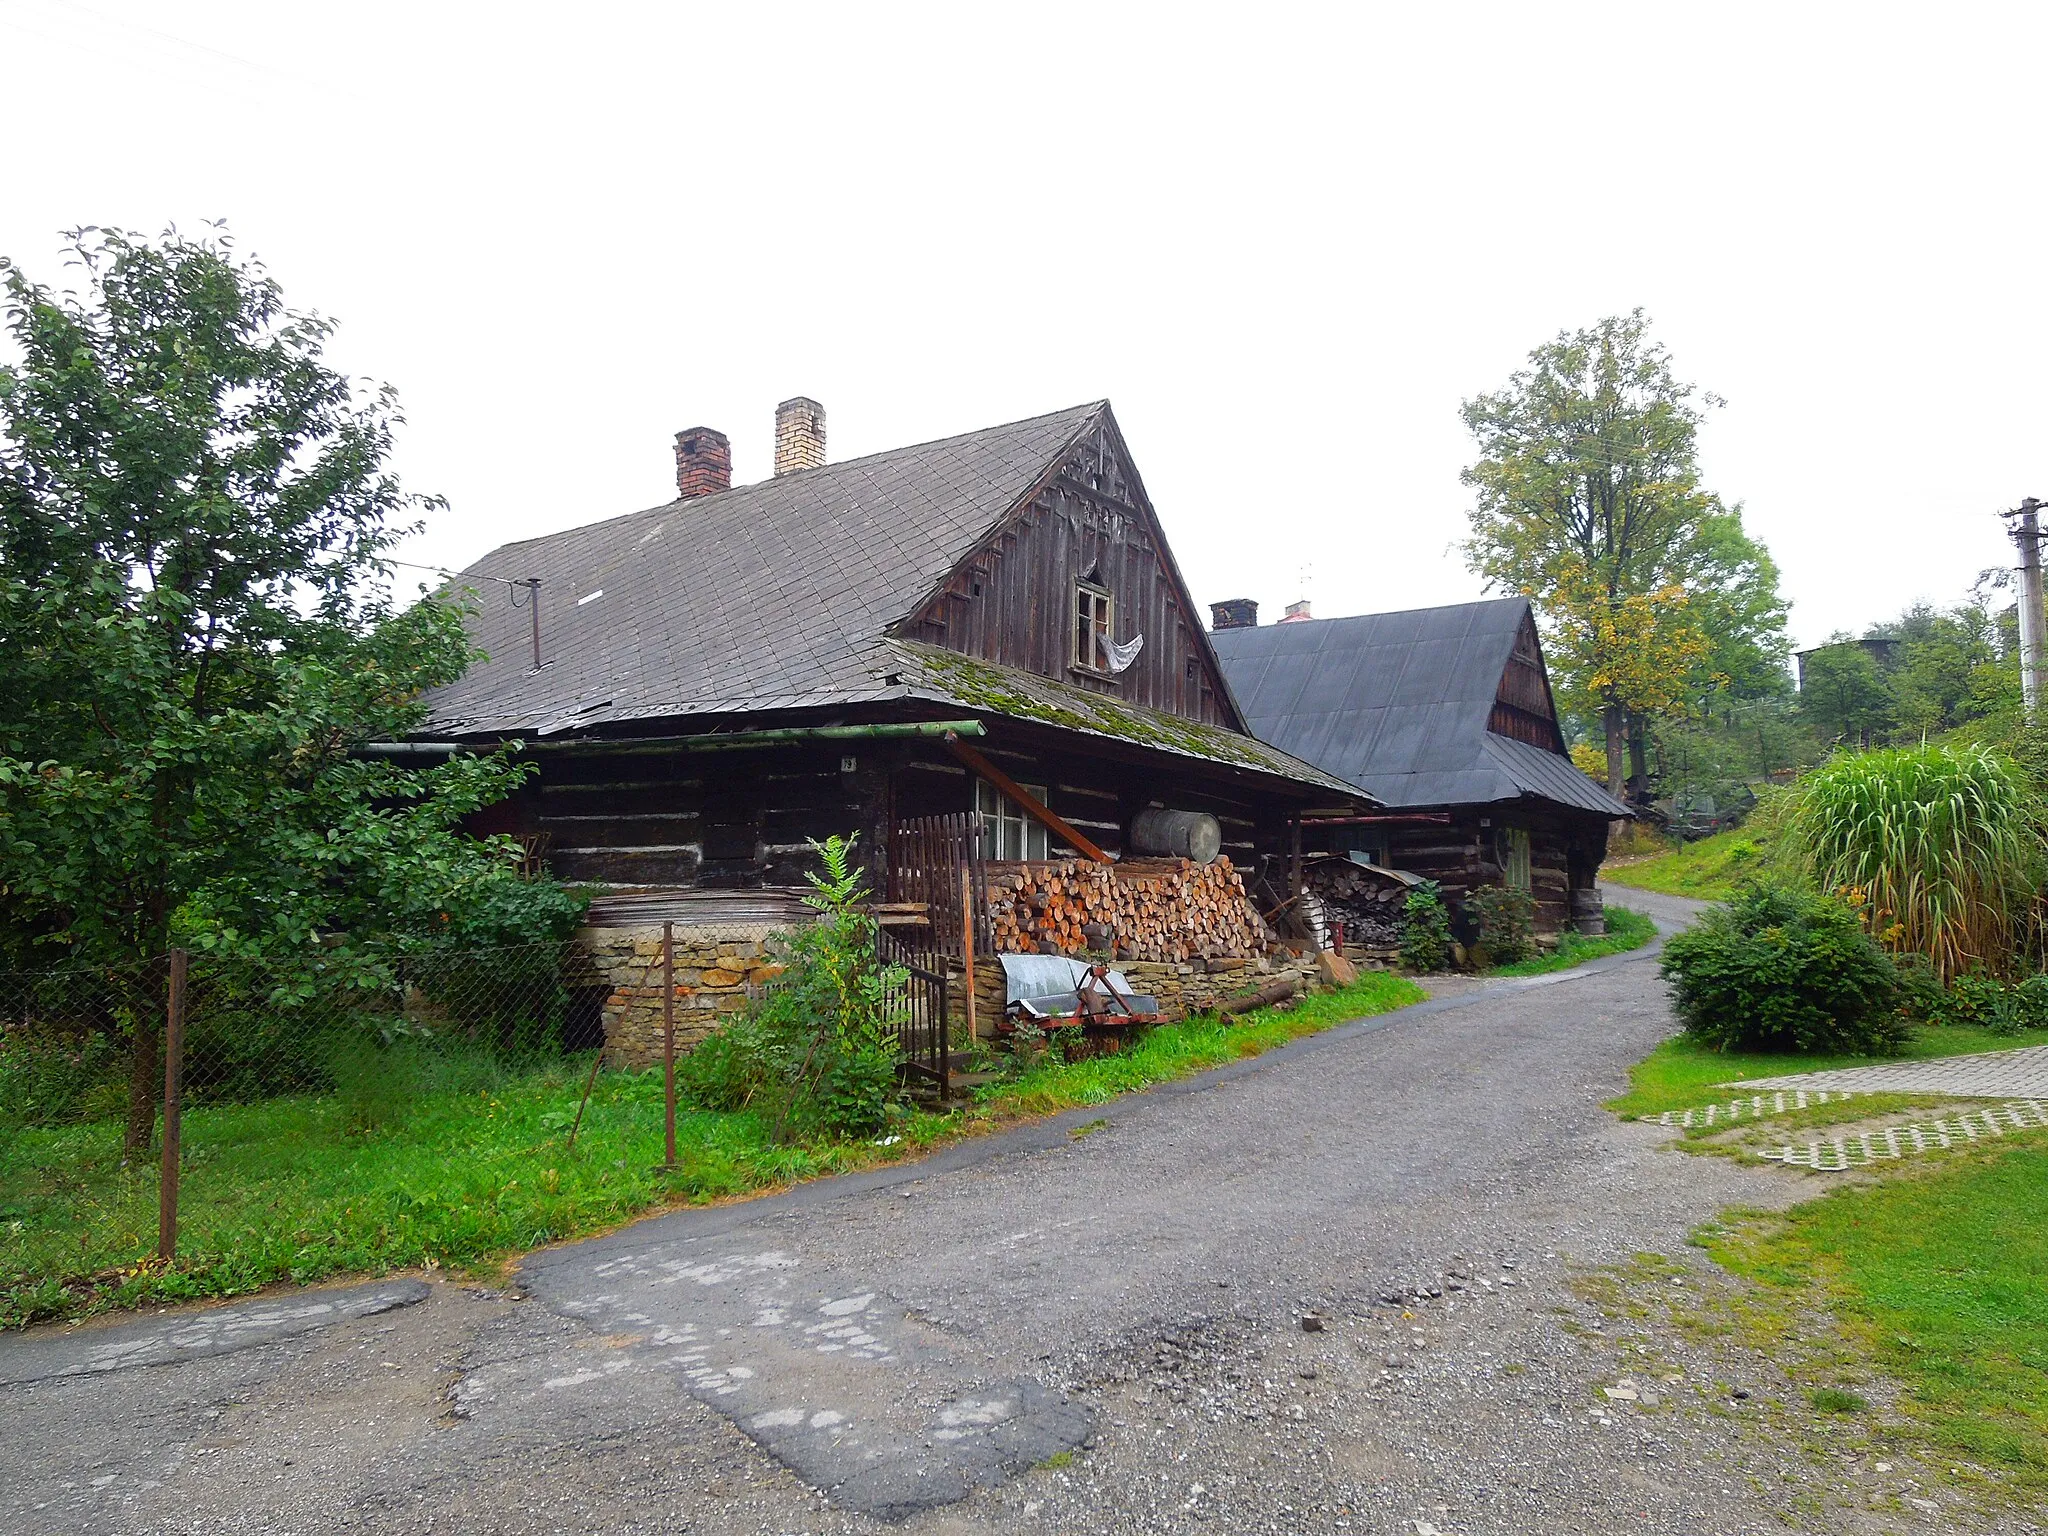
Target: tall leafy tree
column 194, row 640
column 1587, row 497
column 1844, row 694
column 1951, row 669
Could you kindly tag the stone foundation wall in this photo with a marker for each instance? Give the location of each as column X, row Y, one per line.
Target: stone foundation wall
column 1372, row 957
column 716, row 971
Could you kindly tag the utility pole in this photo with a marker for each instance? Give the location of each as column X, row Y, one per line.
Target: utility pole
column 2026, row 533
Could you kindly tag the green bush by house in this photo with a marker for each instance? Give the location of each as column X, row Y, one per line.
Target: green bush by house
column 1780, row 969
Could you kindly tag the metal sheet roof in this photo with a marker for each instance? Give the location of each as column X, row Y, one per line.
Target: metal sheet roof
column 1398, row 703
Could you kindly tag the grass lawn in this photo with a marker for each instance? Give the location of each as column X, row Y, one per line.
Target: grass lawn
column 1935, row 1274
column 1626, row 930
column 1681, row 1073
column 1709, row 869
column 471, row 1167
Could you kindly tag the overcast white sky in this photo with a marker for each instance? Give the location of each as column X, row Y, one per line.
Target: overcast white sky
column 1286, row 242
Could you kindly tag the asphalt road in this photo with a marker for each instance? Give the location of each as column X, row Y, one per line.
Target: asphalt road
column 1339, row 1288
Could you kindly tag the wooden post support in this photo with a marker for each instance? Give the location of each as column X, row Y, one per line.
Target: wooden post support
column 668, row 1044
column 1294, row 875
column 1025, row 801
column 174, row 1073
column 967, row 938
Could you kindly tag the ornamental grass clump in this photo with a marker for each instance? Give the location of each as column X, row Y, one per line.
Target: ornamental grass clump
column 1781, row 969
column 1939, row 848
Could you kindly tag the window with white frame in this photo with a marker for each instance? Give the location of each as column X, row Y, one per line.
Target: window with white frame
column 1011, row 834
column 1093, row 616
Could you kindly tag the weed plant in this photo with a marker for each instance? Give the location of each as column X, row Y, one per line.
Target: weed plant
column 1425, row 928
column 819, row 1050
column 1506, row 916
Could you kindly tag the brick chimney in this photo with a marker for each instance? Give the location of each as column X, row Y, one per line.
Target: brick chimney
column 1237, row 613
column 799, row 435
column 1297, row 613
column 703, row 463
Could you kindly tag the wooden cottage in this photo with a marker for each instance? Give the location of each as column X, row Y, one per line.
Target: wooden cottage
column 1444, row 715
column 989, row 624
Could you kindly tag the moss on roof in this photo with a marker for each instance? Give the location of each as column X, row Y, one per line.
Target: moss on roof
column 984, row 685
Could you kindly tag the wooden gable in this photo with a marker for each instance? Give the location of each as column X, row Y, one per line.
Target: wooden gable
column 1013, row 599
column 1522, row 706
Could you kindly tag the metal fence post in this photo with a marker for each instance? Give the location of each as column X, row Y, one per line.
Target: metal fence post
column 174, row 1071
column 668, row 1043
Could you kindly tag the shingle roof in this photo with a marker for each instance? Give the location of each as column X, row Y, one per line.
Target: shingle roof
column 767, row 596
column 1398, row 703
column 779, row 595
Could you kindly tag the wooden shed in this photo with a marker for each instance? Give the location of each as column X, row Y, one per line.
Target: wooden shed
column 1445, row 715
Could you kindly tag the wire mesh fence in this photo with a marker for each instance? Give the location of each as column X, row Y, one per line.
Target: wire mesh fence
column 260, row 1119
column 325, row 1112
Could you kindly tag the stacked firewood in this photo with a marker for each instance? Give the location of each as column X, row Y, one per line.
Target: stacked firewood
column 1367, row 904
column 1140, row 909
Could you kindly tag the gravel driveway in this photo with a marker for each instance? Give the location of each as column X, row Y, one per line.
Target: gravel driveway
column 1384, row 1280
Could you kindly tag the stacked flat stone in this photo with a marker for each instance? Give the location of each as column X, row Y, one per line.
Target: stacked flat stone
column 716, row 972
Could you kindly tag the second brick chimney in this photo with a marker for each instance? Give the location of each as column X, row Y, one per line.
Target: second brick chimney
column 703, row 463
column 1237, row 613
column 799, row 435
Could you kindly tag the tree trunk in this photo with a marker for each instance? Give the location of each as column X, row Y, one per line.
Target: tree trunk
column 1613, row 717
column 1638, row 760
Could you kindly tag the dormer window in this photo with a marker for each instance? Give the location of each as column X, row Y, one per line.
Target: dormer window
column 1094, row 614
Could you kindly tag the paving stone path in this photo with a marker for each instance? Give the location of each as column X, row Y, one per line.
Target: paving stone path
column 2017, row 1074
column 1752, row 1108
column 1841, row 1153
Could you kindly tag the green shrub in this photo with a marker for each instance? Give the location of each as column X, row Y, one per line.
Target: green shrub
column 1506, row 916
column 1980, row 999
column 1779, row 969
column 818, row 1049
column 1425, row 928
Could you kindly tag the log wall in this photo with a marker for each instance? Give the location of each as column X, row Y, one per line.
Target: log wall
column 1012, row 601
column 741, row 819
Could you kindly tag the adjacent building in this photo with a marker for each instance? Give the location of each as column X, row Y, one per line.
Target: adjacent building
column 1444, row 716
